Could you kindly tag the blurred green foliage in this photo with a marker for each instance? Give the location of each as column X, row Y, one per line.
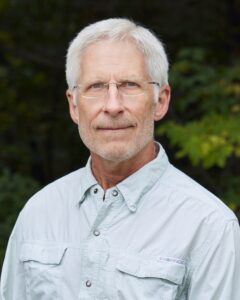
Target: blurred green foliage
column 39, row 143
column 206, row 123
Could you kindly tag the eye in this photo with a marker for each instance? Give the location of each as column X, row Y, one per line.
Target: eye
column 96, row 86
column 129, row 84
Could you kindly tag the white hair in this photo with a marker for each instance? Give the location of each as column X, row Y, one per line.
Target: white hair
column 118, row 29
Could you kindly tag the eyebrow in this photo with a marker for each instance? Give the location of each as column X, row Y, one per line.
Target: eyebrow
column 121, row 78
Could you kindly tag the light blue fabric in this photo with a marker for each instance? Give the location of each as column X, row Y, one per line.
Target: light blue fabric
column 156, row 235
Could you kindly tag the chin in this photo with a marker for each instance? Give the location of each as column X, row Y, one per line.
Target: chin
column 118, row 153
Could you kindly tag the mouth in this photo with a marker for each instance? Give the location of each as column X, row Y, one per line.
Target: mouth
column 114, row 128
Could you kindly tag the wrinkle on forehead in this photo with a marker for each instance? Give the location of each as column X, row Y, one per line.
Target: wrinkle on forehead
column 118, row 60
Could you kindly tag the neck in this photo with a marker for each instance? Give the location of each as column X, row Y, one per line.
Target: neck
column 109, row 173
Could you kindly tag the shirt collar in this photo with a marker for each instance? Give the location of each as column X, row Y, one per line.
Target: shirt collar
column 133, row 187
column 87, row 181
column 139, row 183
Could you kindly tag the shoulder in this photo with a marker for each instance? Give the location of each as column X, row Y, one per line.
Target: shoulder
column 200, row 219
column 48, row 212
column 56, row 194
column 197, row 200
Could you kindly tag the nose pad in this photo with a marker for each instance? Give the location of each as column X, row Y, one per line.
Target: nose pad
column 113, row 104
column 114, row 86
column 113, row 90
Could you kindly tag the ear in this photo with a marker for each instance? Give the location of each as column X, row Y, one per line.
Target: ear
column 73, row 109
column 162, row 104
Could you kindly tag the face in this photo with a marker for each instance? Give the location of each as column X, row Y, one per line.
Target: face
column 116, row 127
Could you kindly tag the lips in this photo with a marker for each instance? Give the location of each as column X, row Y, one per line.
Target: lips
column 113, row 125
column 114, row 128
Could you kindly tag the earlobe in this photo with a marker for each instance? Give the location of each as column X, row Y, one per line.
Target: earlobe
column 73, row 109
column 162, row 105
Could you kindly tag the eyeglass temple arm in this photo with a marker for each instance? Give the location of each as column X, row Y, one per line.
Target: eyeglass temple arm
column 154, row 82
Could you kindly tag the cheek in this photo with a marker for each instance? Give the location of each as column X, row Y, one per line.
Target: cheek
column 86, row 116
column 145, row 113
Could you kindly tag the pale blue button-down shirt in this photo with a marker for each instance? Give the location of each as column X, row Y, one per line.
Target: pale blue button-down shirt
column 156, row 235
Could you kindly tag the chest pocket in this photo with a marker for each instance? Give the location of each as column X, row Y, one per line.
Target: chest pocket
column 42, row 264
column 155, row 278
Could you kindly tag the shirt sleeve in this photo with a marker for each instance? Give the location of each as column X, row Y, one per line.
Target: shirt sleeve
column 12, row 285
column 216, row 275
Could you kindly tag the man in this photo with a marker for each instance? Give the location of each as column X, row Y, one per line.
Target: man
column 129, row 225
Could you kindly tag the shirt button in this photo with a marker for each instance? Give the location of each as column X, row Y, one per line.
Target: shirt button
column 88, row 283
column 96, row 232
column 115, row 193
column 95, row 190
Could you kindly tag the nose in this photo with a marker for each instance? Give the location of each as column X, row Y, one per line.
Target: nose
column 113, row 104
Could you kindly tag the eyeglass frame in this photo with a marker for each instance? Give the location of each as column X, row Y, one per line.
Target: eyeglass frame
column 117, row 85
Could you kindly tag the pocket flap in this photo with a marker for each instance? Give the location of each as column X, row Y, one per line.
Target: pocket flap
column 164, row 268
column 45, row 254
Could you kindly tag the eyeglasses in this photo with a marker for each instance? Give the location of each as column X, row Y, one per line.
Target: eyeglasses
column 125, row 88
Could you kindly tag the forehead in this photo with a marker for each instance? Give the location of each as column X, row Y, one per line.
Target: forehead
column 107, row 59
